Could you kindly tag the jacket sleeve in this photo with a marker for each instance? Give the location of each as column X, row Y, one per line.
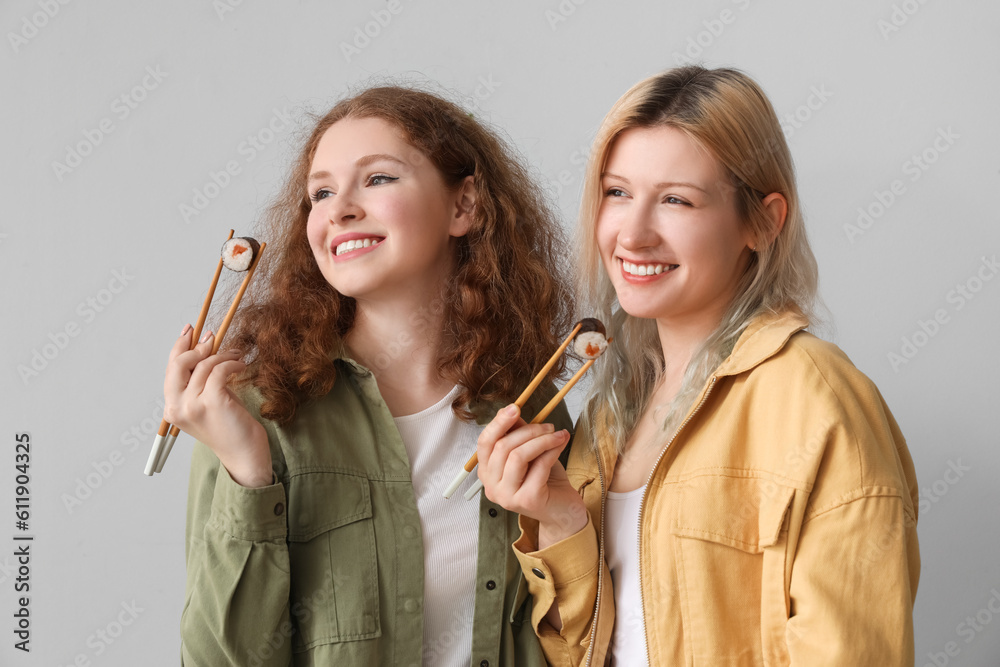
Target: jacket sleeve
column 567, row 574
column 236, row 603
column 857, row 563
column 853, row 586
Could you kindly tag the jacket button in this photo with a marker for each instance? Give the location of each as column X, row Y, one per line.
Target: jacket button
column 279, row 509
column 538, row 573
column 484, row 663
column 493, row 511
column 410, row 605
column 490, row 585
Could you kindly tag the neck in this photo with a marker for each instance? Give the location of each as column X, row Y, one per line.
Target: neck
column 680, row 339
column 400, row 342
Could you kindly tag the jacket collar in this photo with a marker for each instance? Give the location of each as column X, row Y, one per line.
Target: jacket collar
column 764, row 337
column 761, row 340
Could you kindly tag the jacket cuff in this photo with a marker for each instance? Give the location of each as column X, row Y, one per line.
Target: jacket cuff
column 255, row 514
column 556, row 566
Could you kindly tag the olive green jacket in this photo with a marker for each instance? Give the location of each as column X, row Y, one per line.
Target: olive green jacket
column 326, row 567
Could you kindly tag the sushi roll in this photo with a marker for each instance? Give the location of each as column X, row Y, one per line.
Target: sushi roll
column 591, row 341
column 238, row 253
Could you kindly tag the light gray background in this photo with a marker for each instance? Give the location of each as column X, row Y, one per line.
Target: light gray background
column 864, row 100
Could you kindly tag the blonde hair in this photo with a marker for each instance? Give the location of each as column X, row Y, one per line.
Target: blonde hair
column 727, row 113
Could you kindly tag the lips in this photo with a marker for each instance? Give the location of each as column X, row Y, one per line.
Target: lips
column 645, row 269
column 347, row 246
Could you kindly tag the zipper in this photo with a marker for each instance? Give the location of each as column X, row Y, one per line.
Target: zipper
column 642, row 506
column 600, row 571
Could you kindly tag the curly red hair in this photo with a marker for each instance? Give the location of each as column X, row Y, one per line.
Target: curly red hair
column 506, row 305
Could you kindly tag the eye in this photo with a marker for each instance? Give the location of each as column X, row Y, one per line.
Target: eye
column 380, row 179
column 319, row 194
column 615, row 192
column 670, row 199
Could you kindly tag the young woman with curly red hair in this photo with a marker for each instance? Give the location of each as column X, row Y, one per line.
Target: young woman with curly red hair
column 414, row 286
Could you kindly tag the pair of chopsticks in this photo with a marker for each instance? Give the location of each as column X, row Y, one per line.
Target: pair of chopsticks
column 167, row 434
column 521, row 400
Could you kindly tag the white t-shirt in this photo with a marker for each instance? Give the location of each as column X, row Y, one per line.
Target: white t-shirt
column 439, row 444
column 628, row 641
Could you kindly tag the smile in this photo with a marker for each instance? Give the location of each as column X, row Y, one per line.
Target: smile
column 357, row 246
column 643, row 270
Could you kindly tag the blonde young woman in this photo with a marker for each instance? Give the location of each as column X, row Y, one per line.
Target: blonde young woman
column 737, row 493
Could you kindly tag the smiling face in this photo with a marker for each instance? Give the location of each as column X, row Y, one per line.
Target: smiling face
column 382, row 221
column 668, row 231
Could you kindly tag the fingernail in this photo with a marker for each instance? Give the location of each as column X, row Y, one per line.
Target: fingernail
column 187, row 327
column 549, row 427
column 208, row 334
column 510, row 410
column 238, row 353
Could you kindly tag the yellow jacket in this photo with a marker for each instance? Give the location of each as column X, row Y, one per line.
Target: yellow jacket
column 778, row 528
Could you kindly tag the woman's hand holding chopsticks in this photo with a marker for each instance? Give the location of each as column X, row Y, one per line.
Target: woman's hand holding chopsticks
column 520, row 471
column 199, row 402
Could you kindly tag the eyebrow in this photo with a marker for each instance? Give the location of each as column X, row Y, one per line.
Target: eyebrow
column 666, row 184
column 361, row 162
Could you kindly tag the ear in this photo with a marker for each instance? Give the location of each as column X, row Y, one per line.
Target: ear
column 465, row 206
column 776, row 208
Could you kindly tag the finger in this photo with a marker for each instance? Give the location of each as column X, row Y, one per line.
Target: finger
column 540, row 470
column 512, row 442
column 216, row 383
column 205, row 368
column 518, row 463
column 504, row 420
column 181, row 366
column 182, row 344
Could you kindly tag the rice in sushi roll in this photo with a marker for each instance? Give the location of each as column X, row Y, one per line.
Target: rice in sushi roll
column 238, row 253
column 591, row 341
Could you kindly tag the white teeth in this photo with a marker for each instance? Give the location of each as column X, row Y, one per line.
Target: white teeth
column 646, row 269
column 348, row 246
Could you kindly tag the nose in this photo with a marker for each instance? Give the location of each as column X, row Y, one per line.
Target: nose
column 346, row 208
column 637, row 230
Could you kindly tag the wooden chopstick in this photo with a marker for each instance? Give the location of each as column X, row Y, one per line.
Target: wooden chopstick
column 544, row 412
column 521, row 400
column 223, row 328
column 161, row 433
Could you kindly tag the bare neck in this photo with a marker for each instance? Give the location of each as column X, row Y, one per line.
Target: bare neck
column 401, row 343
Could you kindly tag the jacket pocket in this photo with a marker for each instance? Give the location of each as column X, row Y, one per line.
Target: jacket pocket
column 730, row 549
column 331, row 547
